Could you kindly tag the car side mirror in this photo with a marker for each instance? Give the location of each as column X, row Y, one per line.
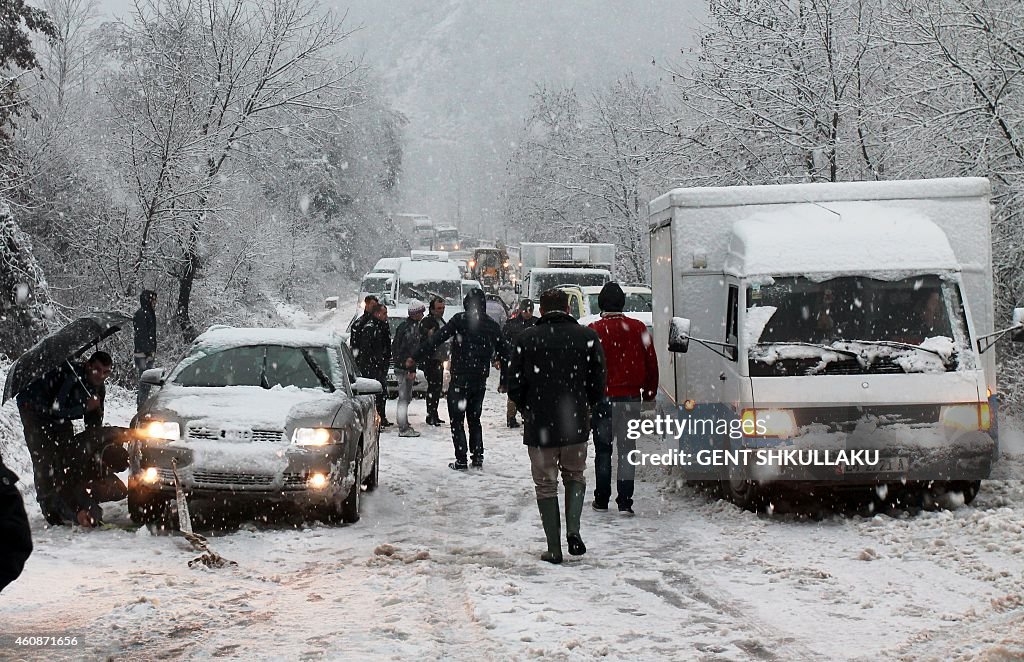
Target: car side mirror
column 153, row 377
column 366, row 386
column 679, row 335
column 1017, row 335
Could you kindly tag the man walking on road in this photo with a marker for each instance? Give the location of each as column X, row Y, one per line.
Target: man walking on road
column 144, row 322
column 512, row 330
column 372, row 349
column 632, row 378
column 476, row 342
column 433, row 366
column 556, row 377
column 15, row 534
column 403, row 349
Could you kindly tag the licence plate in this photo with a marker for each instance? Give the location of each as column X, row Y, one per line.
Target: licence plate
column 886, row 465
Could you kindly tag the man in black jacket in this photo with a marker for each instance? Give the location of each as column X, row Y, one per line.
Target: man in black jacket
column 15, row 535
column 512, row 330
column 433, row 366
column 47, row 407
column 370, row 303
column 372, row 350
column 556, row 377
column 476, row 342
column 144, row 322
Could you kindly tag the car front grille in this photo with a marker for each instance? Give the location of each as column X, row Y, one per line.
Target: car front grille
column 264, row 436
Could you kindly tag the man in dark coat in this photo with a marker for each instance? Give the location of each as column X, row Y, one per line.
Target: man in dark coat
column 372, row 350
column 403, row 349
column 370, row 303
column 632, row 378
column 47, row 407
column 476, row 342
column 144, row 322
column 433, row 366
column 556, row 378
column 512, row 330
column 15, row 534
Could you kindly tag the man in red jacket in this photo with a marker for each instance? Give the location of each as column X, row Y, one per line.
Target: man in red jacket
column 632, row 378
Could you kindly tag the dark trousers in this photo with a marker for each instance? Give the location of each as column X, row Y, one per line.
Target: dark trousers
column 380, row 399
column 142, row 364
column 15, row 535
column 434, row 372
column 467, row 402
column 610, row 420
column 45, row 438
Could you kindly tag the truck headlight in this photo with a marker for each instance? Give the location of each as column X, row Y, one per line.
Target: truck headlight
column 160, row 431
column 313, row 437
column 969, row 417
column 768, row 423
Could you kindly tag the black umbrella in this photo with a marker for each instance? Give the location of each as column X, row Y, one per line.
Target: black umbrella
column 52, row 351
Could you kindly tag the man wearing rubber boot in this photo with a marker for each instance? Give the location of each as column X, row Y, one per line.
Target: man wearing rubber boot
column 556, row 377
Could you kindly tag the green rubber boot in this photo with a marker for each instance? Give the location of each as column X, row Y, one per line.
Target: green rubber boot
column 551, row 518
column 575, row 494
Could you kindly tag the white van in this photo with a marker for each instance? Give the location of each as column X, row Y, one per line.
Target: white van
column 833, row 317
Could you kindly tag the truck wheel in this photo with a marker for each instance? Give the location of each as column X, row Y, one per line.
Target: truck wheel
column 746, row 494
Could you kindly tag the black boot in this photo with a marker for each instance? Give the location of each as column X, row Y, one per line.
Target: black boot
column 551, row 519
column 575, row 494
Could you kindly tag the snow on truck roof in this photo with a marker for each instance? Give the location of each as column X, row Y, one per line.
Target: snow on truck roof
column 427, row 270
column 732, row 196
column 837, row 238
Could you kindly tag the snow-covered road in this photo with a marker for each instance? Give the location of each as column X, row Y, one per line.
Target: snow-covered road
column 688, row 578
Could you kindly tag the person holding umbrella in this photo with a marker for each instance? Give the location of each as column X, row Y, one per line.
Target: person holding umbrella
column 47, row 406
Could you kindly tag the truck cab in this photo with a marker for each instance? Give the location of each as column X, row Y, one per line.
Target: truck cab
column 833, row 318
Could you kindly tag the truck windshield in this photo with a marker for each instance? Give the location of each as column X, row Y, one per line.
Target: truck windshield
column 374, row 284
column 425, row 290
column 854, row 324
column 542, row 281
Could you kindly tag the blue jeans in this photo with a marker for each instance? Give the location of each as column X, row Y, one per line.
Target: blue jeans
column 142, row 364
column 467, row 402
column 611, row 417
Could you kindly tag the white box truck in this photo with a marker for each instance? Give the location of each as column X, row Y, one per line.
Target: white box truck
column 548, row 265
column 830, row 317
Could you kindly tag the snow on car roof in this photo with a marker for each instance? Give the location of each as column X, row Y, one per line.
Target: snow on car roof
column 837, row 238
column 628, row 289
column 222, row 337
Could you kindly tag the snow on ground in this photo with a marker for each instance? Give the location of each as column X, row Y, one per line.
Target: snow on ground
column 444, row 565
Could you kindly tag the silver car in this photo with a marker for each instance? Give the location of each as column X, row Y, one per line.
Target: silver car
column 271, row 418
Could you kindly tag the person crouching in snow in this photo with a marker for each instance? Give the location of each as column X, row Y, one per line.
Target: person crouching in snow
column 556, row 377
column 632, row 377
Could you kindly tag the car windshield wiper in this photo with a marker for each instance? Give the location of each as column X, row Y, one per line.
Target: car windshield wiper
column 320, row 374
column 847, row 352
column 902, row 345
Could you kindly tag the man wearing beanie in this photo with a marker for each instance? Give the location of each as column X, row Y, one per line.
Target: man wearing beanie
column 403, row 349
column 632, row 378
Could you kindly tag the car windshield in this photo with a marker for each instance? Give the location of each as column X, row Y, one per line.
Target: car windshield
column 267, row 366
column 868, row 321
column 636, row 302
column 425, row 290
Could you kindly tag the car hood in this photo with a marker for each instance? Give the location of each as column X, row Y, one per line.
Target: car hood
column 247, row 407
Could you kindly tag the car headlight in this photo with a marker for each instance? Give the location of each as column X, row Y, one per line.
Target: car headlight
column 971, row 416
column 768, row 423
column 313, row 437
column 160, row 431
